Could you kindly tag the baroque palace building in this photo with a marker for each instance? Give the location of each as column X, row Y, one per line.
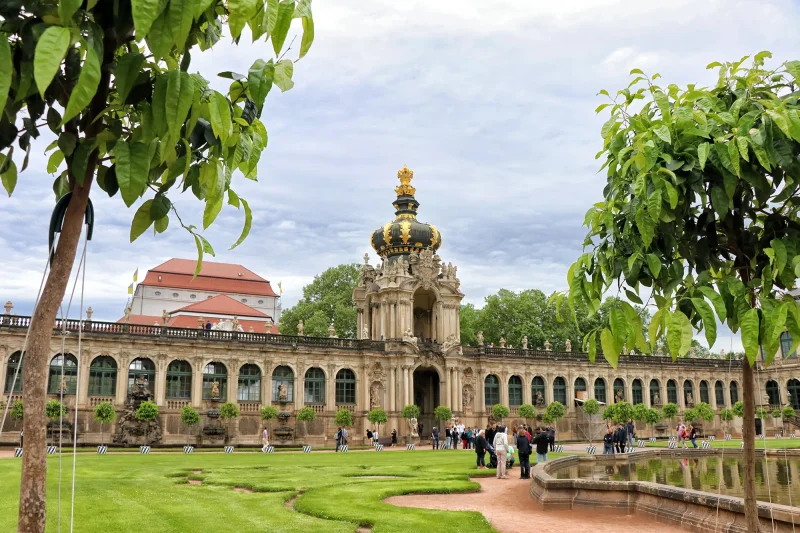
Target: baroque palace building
column 408, row 352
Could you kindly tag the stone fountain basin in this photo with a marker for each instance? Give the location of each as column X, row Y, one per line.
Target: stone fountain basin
column 691, row 510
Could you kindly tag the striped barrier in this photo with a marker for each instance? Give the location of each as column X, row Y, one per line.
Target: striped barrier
column 306, row 449
column 188, row 449
column 444, row 446
column 52, row 450
column 343, row 448
column 144, row 450
column 102, row 450
column 673, row 439
column 653, row 439
column 640, row 444
column 558, row 448
column 271, row 449
column 712, row 437
column 17, row 452
column 761, row 437
column 705, row 445
column 591, row 450
column 778, row 435
column 792, row 436
column 411, row 447
column 728, row 436
column 228, row 449
column 672, row 445
column 379, row 447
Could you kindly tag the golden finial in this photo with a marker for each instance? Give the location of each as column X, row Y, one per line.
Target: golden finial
column 405, row 175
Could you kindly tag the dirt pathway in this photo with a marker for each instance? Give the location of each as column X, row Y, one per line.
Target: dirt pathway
column 507, row 505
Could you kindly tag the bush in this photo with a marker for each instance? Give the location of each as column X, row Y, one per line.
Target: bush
column 762, row 413
column 229, row 411
column 591, row 407
column 623, row 411
column 776, row 413
column 726, row 415
column 738, row 409
column 670, row 410
column 54, row 410
column 345, row 418
column 268, row 412
column 147, row 412
column 652, row 416
column 704, row 411
column 105, row 414
column 690, row 415
column 639, row 412
column 788, row 412
column 306, row 414
column 610, row 412
column 527, row 411
column 410, row 411
column 377, row 416
column 190, row 416
column 17, row 410
column 442, row 413
column 554, row 412
column 500, row 411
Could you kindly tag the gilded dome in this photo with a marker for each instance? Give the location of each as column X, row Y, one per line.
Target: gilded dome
column 405, row 234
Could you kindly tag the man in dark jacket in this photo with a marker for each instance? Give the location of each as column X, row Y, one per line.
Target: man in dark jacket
column 551, row 436
column 541, row 440
column 524, row 452
column 435, row 438
column 631, row 431
column 608, row 442
column 619, row 438
column 490, row 431
column 480, row 450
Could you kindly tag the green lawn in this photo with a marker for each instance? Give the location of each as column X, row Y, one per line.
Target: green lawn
column 736, row 443
column 151, row 493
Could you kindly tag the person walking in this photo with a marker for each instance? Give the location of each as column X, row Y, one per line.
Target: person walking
column 631, row 432
column 375, row 438
column 264, row 440
column 480, row 450
column 369, row 436
column 394, row 438
column 524, row 452
column 435, row 438
column 619, row 439
column 542, row 441
column 501, row 450
column 608, row 442
column 551, row 434
column 448, row 435
column 338, row 438
column 693, row 434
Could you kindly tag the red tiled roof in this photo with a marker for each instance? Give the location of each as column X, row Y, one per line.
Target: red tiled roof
column 221, row 304
column 190, row 322
column 216, row 277
column 142, row 320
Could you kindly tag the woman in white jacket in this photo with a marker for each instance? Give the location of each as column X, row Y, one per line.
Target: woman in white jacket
column 501, row 450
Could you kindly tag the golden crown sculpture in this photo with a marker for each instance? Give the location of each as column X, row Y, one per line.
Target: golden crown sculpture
column 405, row 175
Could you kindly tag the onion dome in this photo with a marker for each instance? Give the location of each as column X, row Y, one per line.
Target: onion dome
column 405, row 234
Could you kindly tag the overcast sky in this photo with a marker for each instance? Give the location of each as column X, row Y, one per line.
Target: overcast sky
column 490, row 103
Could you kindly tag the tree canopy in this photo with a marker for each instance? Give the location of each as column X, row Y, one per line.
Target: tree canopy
column 326, row 300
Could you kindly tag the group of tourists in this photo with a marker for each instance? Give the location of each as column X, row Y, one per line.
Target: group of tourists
column 619, row 438
column 453, row 435
column 682, row 433
column 503, row 445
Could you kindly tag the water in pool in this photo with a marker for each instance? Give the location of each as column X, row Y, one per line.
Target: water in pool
column 778, row 478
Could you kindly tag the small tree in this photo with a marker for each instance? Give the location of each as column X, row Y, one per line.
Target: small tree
column 591, row 407
column 17, row 413
column 623, row 412
column 554, row 412
column 147, row 412
column 305, row 415
column 738, row 409
column 442, row 413
column 54, row 410
column 788, row 412
column 190, row 417
column 776, row 413
column 500, row 411
column 610, row 412
column 762, row 413
column 269, row 413
column 726, row 416
column 377, row 417
column 228, row 411
column 652, row 417
column 105, row 414
column 527, row 412
column 704, row 412
column 344, row 418
column 690, row 415
column 670, row 411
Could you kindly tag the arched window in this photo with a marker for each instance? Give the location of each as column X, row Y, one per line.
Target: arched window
column 672, row 391
column 66, row 382
column 11, row 369
column 636, row 391
column 249, row 384
column 734, row 393
column 514, row 391
column 704, row 392
column 103, row 376
column 600, row 390
column 794, row 390
column 179, row 380
column 215, row 373
column 345, row 387
column 688, row 390
column 619, row 389
column 491, row 389
column 560, row 390
column 314, row 386
column 655, row 393
column 537, row 389
column 580, row 386
column 773, row 393
column 282, row 375
column 144, row 371
column 719, row 394
column 786, row 346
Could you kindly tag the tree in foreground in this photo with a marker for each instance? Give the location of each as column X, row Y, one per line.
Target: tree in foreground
column 699, row 208
column 377, row 417
column 228, row 411
column 105, row 414
column 189, row 417
column 343, row 418
column 306, row 415
column 112, row 81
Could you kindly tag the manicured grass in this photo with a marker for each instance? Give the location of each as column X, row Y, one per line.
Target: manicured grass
column 736, row 443
column 151, row 493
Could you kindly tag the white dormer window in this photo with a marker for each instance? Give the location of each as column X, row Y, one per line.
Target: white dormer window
column 158, row 293
column 193, row 296
column 174, row 294
column 244, row 300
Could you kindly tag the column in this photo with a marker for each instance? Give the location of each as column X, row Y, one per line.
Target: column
column 197, row 386
column 122, row 382
column 160, row 388
column 298, row 388
column 456, row 403
column 330, row 390
column 480, row 393
column 526, row 389
column 82, row 397
column 266, row 388
column 364, row 389
column 503, row 388
column 445, row 385
column 233, row 386
column 382, row 311
column 3, row 370
column 459, row 391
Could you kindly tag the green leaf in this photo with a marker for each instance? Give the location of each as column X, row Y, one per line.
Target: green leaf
column 259, row 81
column 50, row 52
column 132, row 165
column 679, row 334
column 308, row 35
column 720, row 201
column 733, row 154
column 220, row 110
column 672, row 194
column 161, row 225
column 709, row 321
column 283, row 75
column 213, row 207
column 239, row 12
column 125, row 74
column 199, row 245
column 749, row 326
column 655, row 329
column 141, row 220
column 646, row 227
column 56, row 158
column 654, row 263
column 609, row 347
column 9, row 177
column 180, row 16
column 6, row 72
column 159, row 38
column 282, row 24
column 663, row 134
column 793, row 68
column 80, row 160
column 271, row 16
column 716, row 300
column 160, row 207
column 88, row 80
column 145, row 12
column 66, row 9
column 702, row 154
column 248, row 221
column 663, row 105
column 780, row 255
column 654, row 205
column 178, row 100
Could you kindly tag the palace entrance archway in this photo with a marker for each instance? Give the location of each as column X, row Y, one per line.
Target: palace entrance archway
column 426, row 397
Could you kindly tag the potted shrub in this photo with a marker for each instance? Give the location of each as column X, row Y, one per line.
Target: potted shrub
column 726, row 416
column 147, row 412
column 527, row 412
column 55, row 410
column 105, row 414
column 652, row 417
column 670, row 411
column 190, row 417
column 554, row 412
column 377, row 417
column 500, row 411
column 787, row 412
column 442, row 413
column 305, row 415
column 411, row 411
column 705, row 413
column 228, row 411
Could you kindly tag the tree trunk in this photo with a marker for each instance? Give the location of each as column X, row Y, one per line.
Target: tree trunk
column 749, row 439
column 32, row 512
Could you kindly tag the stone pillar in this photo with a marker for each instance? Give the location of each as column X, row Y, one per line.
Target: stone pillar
column 160, row 385
column 266, row 388
column 233, row 386
column 526, row 389
column 392, row 385
column 459, row 390
column 382, row 310
column 445, row 386
column 405, row 386
column 364, row 389
column 298, row 388
column 480, row 394
column 82, row 397
column 197, row 386
column 122, row 382
column 3, row 370
column 504, row 388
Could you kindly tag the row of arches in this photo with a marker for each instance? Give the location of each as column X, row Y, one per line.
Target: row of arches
column 103, row 371
column 492, row 391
